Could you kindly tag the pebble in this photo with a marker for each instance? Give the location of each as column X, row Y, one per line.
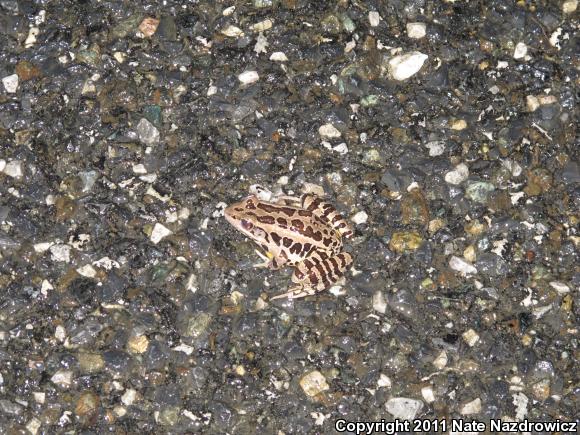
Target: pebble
column 2, row 165
column 560, row 287
column 406, row 65
column 148, row 26
column 147, row 132
column 416, row 30
column 440, row 362
column 428, row 394
column 405, row 241
column 232, row 31
column 159, row 232
column 248, row 77
column 313, row 383
column 128, row 397
column 379, row 302
column 384, row 381
column 33, row 425
column 569, row 6
column 403, row 408
column 458, row 124
column 520, row 51
column 62, row 378
column 436, row 147
column 262, row 26
column 470, row 337
column 278, row 56
column 138, row 344
column 374, row 18
column 478, row 191
column 360, row 218
column 60, row 253
column 14, row 169
column 10, row 83
column 473, row 407
column 461, row 266
column 457, row 175
column 328, row 131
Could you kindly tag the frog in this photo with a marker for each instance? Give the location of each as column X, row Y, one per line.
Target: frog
column 305, row 233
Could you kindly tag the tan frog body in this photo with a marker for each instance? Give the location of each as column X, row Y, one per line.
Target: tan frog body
column 305, row 233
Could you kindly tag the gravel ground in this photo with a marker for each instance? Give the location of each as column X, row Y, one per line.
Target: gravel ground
column 445, row 130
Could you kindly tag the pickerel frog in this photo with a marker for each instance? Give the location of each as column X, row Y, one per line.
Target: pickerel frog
column 305, row 233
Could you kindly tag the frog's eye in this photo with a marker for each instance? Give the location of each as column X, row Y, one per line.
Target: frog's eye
column 259, row 233
column 247, row 225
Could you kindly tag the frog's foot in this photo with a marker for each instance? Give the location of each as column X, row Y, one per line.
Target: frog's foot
column 286, row 199
column 296, row 292
column 268, row 262
column 264, row 264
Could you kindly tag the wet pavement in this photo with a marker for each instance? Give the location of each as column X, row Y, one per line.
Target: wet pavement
column 444, row 131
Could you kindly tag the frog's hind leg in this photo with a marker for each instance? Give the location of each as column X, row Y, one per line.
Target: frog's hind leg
column 326, row 211
column 317, row 273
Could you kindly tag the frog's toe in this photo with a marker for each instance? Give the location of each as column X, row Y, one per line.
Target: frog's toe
column 296, row 293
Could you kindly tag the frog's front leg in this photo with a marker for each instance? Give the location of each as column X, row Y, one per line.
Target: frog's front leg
column 269, row 261
column 316, row 273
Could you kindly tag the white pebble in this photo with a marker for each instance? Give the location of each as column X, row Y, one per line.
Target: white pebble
column 262, row 25
column 31, row 38
column 532, row 103
column 159, row 232
column 428, row 394
column 147, row 132
column 106, row 263
column 473, row 407
column 139, row 169
column 416, row 30
column 406, row 65
column 379, row 302
column 2, row 165
column 39, row 397
column 560, row 287
column 60, row 253
column 328, row 131
column 470, row 337
column 232, row 31
column 33, row 425
column 520, row 400
column 384, row 381
column 520, row 51
column 441, row 361
column 87, row 270
column 10, row 83
column 42, row 247
column 228, row 11
column 62, row 378
column 360, row 218
column 14, row 169
column 569, row 6
column 60, row 333
column 403, row 407
column 374, row 18
column 462, row 266
column 313, row 383
column 555, row 38
column 341, row 149
column 128, row 397
column 248, row 77
column 283, row 180
column 278, row 56
column 457, row 175
column 436, row 147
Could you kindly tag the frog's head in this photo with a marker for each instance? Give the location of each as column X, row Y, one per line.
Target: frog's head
column 243, row 216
